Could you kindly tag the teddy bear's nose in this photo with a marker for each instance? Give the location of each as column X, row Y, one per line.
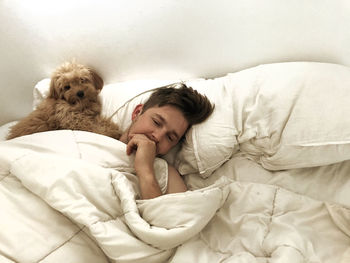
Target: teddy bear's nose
column 80, row 93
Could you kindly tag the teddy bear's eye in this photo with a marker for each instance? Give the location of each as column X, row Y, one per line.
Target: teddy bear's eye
column 67, row 87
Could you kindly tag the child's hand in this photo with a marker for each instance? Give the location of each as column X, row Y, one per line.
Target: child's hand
column 145, row 152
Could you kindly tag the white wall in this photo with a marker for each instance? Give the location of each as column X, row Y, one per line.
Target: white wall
column 138, row 39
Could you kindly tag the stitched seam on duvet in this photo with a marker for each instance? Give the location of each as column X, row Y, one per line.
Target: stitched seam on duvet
column 270, row 222
column 77, row 145
column 5, row 176
column 15, row 160
column 229, row 253
column 111, row 218
column 296, row 249
column 281, row 245
column 65, row 242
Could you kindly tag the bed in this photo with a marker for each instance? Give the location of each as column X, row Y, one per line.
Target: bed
column 268, row 173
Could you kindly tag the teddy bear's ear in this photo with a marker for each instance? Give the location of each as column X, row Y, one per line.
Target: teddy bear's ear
column 98, row 81
column 53, row 88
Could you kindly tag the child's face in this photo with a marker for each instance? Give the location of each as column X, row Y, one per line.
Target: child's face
column 164, row 125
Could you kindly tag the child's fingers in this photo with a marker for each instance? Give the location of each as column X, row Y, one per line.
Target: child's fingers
column 131, row 147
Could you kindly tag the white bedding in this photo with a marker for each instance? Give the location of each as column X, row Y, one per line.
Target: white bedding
column 80, row 175
column 91, row 183
column 253, row 196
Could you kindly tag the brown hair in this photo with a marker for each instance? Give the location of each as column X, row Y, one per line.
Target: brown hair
column 195, row 107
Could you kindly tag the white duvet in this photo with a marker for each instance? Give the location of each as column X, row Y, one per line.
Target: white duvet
column 268, row 173
column 88, row 179
column 65, row 190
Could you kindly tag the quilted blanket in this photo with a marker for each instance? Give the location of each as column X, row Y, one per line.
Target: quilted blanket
column 73, row 195
column 89, row 180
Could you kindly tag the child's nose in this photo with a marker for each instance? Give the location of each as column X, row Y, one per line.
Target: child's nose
column 158, row 135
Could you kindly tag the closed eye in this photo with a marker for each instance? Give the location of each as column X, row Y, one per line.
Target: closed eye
column 171, row 138
column 156, row 122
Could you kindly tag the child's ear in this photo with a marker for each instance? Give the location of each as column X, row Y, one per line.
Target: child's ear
column 137, row 111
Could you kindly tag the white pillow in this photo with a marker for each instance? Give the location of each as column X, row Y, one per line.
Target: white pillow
column 210, row 144
column 283, row 115
column 306, row 108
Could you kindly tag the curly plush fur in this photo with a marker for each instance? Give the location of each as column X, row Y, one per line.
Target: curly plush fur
column 72, row 104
